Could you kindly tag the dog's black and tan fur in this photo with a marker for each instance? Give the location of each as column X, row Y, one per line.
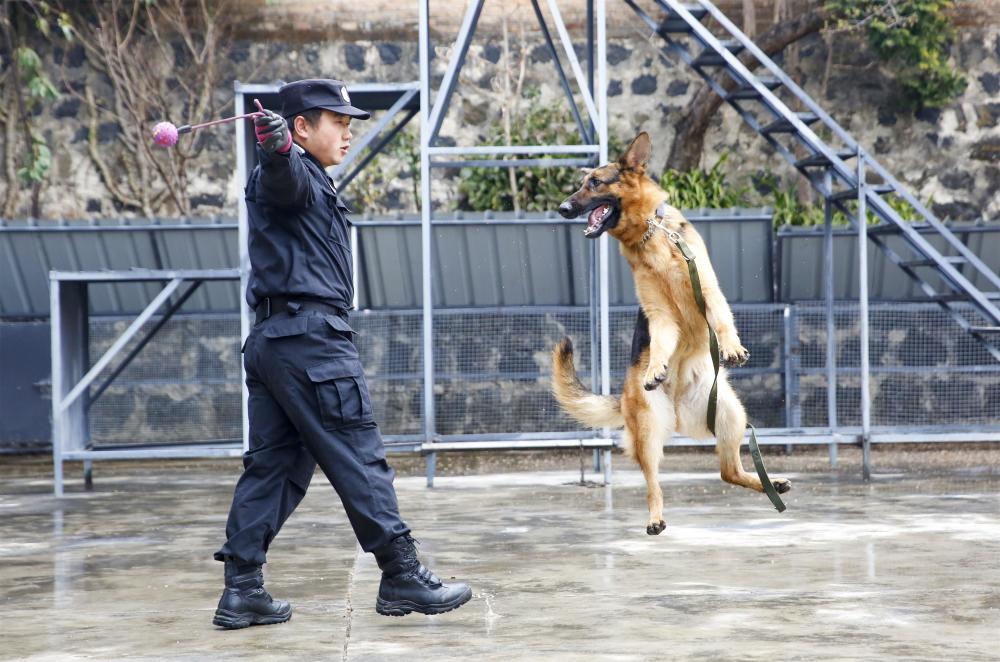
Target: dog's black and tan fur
column 670, row 376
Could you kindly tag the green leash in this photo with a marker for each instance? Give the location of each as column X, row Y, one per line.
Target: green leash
column 713, row 344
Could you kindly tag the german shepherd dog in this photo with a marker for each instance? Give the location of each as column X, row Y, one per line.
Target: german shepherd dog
column 668, row 382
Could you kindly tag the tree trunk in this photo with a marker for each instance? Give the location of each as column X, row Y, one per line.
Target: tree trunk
column 689, row 142
column 749, row 18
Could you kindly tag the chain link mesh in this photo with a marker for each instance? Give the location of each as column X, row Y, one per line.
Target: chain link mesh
column 925, row 370
column 184, row 386
column 493, row 371
column 392, row 352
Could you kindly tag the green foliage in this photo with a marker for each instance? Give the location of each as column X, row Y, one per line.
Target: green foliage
column 538, row 188
column 904, row 208
column 913, row 36
column 712, row 189
column 789, row 210
column 406, row 149
column 38, row 84
column 703, row 188
column 399, row 159
column 39, row 163
column 44, row 13
column 38, row 159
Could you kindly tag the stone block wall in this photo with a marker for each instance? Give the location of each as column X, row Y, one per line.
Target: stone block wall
column 949, row 156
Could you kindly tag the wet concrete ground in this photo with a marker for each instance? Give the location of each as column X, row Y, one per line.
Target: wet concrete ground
column 906, row 567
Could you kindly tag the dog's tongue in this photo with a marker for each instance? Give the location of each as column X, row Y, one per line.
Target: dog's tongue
column 596, row 216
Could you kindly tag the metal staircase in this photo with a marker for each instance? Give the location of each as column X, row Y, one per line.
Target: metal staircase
column 845, row 186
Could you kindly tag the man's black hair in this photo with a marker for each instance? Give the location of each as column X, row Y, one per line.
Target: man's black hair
column 311, row 116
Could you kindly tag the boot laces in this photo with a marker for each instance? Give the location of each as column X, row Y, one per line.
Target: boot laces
column 426, row 576
column 410, row 552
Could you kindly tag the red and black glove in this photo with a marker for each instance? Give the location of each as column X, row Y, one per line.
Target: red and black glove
column 272, row 130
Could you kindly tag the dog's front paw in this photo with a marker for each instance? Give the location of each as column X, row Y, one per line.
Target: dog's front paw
column 735, row 355
column 656, row 528
column 654, row 377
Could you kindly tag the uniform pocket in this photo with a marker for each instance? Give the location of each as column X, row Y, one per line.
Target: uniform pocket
column 342, row 393
column 340, row 326
column 285, row 327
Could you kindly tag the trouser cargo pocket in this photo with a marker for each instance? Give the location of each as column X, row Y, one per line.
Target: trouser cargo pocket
column 342, row 393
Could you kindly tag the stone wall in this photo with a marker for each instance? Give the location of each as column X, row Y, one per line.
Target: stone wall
column 951, row 156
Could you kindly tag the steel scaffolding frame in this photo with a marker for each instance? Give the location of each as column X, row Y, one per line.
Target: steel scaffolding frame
column 72, row 379
column 404, row 101
column 594, row 135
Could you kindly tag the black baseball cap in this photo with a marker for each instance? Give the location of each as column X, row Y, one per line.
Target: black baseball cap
column 303, row 95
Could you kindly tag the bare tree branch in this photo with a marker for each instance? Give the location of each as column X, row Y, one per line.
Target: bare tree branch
column 160, row 60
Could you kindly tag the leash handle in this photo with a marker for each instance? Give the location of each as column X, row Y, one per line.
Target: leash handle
column 758, row 463
column 713, row 345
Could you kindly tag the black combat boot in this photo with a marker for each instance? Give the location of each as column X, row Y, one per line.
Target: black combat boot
column 244, row 602
column 408, row 586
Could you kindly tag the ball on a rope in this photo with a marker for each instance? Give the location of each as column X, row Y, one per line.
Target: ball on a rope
column 165, row 134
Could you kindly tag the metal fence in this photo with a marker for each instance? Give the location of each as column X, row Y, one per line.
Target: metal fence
column 492, row 373
column 496, row 318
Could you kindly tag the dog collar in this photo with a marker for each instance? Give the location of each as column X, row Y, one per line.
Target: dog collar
column 650, row 229
column 654, row 222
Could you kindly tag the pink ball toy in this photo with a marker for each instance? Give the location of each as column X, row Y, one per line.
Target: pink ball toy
column 165, row 134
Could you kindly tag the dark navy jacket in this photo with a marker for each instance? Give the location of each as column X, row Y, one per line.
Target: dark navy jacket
column 299, row 233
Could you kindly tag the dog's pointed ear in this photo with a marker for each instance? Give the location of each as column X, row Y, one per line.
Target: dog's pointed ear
column 637, row 155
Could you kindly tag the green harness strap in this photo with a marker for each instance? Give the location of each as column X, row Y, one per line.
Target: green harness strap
column 713, row 344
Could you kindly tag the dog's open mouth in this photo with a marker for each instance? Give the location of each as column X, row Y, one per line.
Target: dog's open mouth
column 599, row 219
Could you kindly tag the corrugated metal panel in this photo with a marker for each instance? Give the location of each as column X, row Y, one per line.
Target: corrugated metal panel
column 477, row 265
column 739, row 246
column 545, row 262
column 802, row 263
column 29, row 250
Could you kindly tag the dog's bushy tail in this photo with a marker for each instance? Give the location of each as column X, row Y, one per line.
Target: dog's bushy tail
column 596, row 411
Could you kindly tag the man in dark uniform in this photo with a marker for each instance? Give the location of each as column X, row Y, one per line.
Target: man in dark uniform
column 309, row 401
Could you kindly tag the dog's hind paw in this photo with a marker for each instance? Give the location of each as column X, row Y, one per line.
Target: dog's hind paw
column 781, row 485
column 653, row 379
column 656, row 529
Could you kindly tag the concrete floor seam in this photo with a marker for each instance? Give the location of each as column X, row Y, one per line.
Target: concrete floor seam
column 348, row 600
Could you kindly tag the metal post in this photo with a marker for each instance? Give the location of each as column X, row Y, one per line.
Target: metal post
column 596, row 349
column 425, row 233
column 831, row 325
column 431, row 468
column 355, row 263
column 793, row 408
column 436, row 115
column 69, row 345
column 58, row 387
column 602, row 137
column 590, row 62
column 244, row 252
column 863, row 320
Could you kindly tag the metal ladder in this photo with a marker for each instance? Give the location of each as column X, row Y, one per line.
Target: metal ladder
column 755, row 99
